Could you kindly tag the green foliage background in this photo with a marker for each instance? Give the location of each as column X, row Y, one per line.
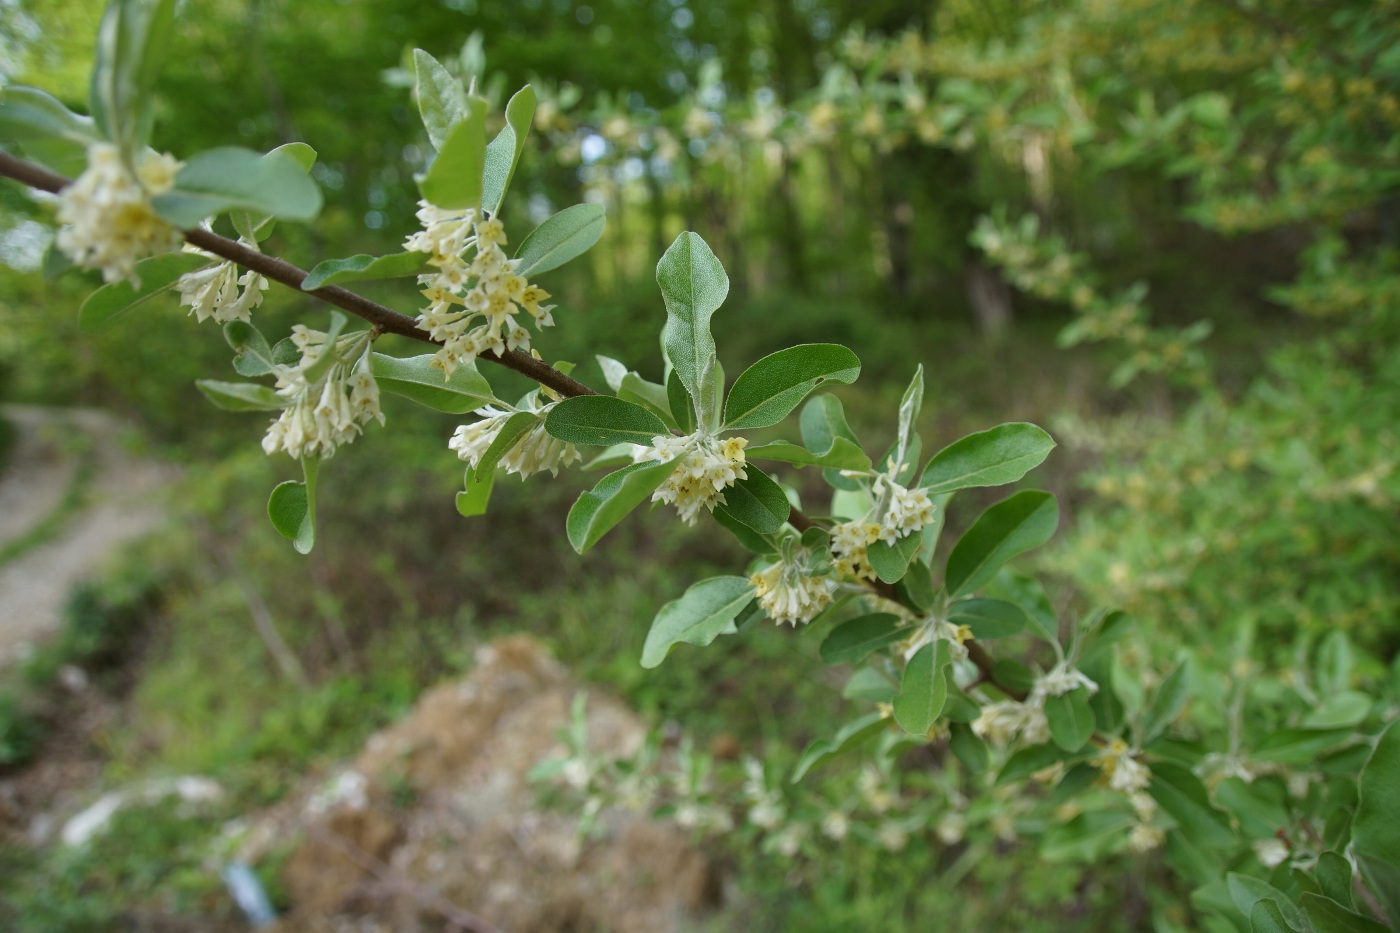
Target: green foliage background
column 1251, row 182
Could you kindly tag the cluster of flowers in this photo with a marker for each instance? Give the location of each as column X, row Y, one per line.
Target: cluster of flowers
column 705, row 467
column 472, row 303
column 325, row 409
column 110, row 223
column 213, row 292
column 535, row 451
column 796, row 588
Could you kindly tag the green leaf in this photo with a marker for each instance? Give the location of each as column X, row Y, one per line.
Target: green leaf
column 971, row 750
column 1328, row 916
column 569, row 233
column 1181, row 794
column 453, row 181
column 602, row 420
column 1334, row 878
column 292, row 508
column 1166, row 704
column 853, row 641
column 1249, row 892
column 989, row 458
column 598, row 510
column 1341, row 710
column 703, row 613
column 1375, row 832
column 131, row 42
column 158, row 275
column 1267, row 916
column 506, row 438
column 869, row 685
column 843, row 455
column 442, row 100
column 678, row 401
column 364, row 268
column 252, row 353
column 761, row 544
column 891, row 561
column 1013, row 675
column 924, row 689
column 1011, row 527
column 473, row 500
column 254, row 226
column 694, row 285
column 988, row 618
column 1259, row 812
column 1071, row 719
column 1028, row 761
column 771, row 388
column 50, row 133
column 909, row 407
column 417, row 379
column 1087, row 837
column 241, row 396
column 1298, row 746
column 218, row 180
column 823, row 420
column 915, row 589
column 756, row 501
column 503, row 152
column 852, row 734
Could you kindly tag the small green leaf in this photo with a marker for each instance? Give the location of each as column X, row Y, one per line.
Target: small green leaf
column 988, row 618
column 1011, row 527
column 1087, row 837
column 1341, row 710
column 770, row 389
column 505, row 440
column 989, row 458
column 223, row 179
column 909, row 407
column 1249, row 892
column 852, row 734
column 417, row 379
column 1181, row 794
column 597, row 511
column 756, row 501
column 292, row 508
column 50, row 133
column 254, row 226
column 853, row 641
column 924, row 689
column 473, row 500
column 703, row 613
column 252, row 353
column 869, row 685
column 503, row 152
column 1166, row 704
column 678, row 401
column 364, row 268
column 1328, row 916
column 241, row 396
column 1071, row 719
column 1334, row 878
column 442, row 100
column 158, row 275
column 760, row 544
column 1375, row 832
column 566, row 235
column 694, row 285
column 1298, row 746
column 971, row 750
column 601, row 420
column 131, row 43
column 1268, row 916
column 823, row 421
column 1028, row 761
column 891, row 561
column 453, row 181
column 843, row 455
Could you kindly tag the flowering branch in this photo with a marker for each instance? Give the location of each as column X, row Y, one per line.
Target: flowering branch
column 387, row 320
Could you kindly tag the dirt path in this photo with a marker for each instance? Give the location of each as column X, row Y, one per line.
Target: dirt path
column 71, row 495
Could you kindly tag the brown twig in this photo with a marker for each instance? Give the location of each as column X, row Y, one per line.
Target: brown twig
column 285, row 273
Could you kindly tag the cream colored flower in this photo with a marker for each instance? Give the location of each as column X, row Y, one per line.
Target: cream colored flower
column 794, row 589
column 214, row 292
column 536, row 450
column 705, row 467
column 328, row 411
column 1121, row 768
column 111, row 224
